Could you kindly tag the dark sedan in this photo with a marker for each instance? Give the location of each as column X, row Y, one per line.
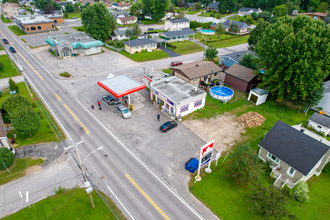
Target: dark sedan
column 5, row 41
column 168, row 126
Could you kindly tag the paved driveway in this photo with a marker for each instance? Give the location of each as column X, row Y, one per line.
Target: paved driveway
column 167, row 50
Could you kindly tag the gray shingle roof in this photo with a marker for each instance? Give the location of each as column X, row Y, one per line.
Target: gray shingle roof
column 293, row 147
column 120, row 32
column 179, row 21
column 213, row 5
column 139, row 42
column 190, row 5
column 260, row 91
column 198, row 69
column 320, row 119
column 241, row 25
column 118, row 13
column 182, row 32
column 241, row 72
column 248, row 9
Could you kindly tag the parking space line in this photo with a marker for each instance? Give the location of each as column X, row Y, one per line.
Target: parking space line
column 58, row 98
column 81, row 124
column 75, row 117
column 147, row 197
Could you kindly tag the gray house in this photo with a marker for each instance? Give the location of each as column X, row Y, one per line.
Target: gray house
column 119, row 14
column 213, row 6
column 320, row 123
column 295, row 153
column 243, row 28
column 182, row 35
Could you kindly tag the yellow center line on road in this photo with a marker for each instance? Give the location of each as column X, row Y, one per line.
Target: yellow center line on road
column 81, row 124
column 23, row 57
column 58, row 98
column 147, row 197
column 75, row 117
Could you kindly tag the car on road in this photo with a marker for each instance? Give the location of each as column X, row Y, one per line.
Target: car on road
column 109, row 99
column 5, row 41
column 12, row 49
column 176, row 63
column 150, row 29
column 123, row 111
column 74, row 18
column 168, row 126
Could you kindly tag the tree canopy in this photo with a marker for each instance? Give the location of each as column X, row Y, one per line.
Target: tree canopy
column 211, row 52
column 6, row 157
column 255, row 34
column 97, row 21
column 280, row 11
column 249, row 60
column 156, row 8
column 295, row 56
column 219, row 29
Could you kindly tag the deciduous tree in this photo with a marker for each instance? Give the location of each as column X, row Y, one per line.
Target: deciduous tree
column 256, row 34
column 181, row 14
column 323, row 7
column 49, row 9
column 234, row 28
column 222, row 7
column 249, row 20
column 25, row 121
column 219, row 29
column 2, row 67
column 97, row 21
column 280, row 11
column 68, row 7
column 254, row 15
column 13, row 86
column 197, row 6
column 6, row 157
column 211, row 52
column 289, row 52
column 249, row 60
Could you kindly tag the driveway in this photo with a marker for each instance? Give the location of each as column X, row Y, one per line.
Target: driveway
column 170, row 52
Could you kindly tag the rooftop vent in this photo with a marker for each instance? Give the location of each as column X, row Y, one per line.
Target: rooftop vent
column 196, row 65
column 168, row 80
column 195, row 89
column 302, row 130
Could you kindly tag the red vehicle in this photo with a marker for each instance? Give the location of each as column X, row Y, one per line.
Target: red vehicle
column 176, row 63
column 5, row 40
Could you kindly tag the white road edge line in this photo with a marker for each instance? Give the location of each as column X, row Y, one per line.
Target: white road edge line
column 184, row 202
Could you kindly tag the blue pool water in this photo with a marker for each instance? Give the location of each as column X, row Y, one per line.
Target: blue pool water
column 206, row 31
column 221, row 91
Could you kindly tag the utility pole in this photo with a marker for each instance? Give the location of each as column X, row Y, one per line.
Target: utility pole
column 204, row 46
column 144, row 69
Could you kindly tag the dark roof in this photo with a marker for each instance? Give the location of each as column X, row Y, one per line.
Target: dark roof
column 320, row 119
column 179, row 20
column 293, row 147
column 119, row 12
column 139, row 42
column 130, row 18
column 190, row 5
column 213, row 5
column 198, row 69
column 247, row 9
column 241, row 25
column 241, row 72
column 54, row 12
column 182, row 32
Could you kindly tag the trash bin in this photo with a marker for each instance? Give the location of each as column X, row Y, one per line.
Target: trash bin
column 192, row 165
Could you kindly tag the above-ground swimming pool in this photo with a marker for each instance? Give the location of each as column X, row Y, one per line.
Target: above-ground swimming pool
column 221, row 93
column 207, row 32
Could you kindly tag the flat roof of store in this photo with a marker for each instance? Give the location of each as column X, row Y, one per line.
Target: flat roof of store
column 121, row 85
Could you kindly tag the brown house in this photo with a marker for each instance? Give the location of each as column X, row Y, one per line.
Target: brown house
column 34, row 23
column 197, row 71
column 58, row 19
column 240, row 78
column 313, row 15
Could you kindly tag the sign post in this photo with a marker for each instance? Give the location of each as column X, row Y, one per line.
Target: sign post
column 217, row 156
column 204, row 157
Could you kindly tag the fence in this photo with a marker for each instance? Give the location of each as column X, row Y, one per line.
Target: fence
column 114, row 48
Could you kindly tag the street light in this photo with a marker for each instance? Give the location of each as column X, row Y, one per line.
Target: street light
column 100, row 148
column 204, row 46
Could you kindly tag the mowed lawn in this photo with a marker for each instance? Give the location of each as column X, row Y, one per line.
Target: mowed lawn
column 16, row 30
column 73, row 14
column 71, row 204
column 185, row 47
column 225, row 40
column 8, row 71
column 145, row 56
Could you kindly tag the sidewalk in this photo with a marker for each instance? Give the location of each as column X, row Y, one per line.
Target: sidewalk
column 4, row 82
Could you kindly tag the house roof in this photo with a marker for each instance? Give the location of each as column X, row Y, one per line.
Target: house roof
column 241, row 25
column 198, row 69
column 122, row 4
column 120, row 31
column 248, row 9
column 182, row 32
column 213, row 5
column 2, row 128
column 119, row 12
column 84, row 2
column 241, row 72
column 320, row 119
column 77, row 40
column 130, row 18
column 139, row 42
column 190, row 4
column 260, row 91
column 320, row 14
column 174, row 21
column 293, row 147
column 227, row 61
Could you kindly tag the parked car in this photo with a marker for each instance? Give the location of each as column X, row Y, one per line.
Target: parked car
column 150, row 29
column 123, row 111
column 12, row 49
column 176, row 63
column 74, row 18
column 5, row 41
column 168, row 126
column 109, row 99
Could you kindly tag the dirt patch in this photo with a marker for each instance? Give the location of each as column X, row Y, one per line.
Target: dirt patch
column 33, row 169
column 223, row 129
column 252, row 119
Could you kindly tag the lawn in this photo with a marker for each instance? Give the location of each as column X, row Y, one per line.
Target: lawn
column 5, row 20
column 73, row 203
column 156, row 30
column 16, row 30
column 212, row 38
column 230, row 42
column 76, row 28
column 125, row 25
column 145, row 56
column 71, row 15
column 146, row 22
column 193, row 12
column 43, row 135
column 17, row 169
column 168, row 71
column 185, row 47
column 8, row 71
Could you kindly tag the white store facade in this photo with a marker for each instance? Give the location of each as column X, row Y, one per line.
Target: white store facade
column 178, row 98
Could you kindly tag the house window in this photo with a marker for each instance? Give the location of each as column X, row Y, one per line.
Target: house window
column 55, row 21
column 197, row 103
column 184, row 108
column 315, row 17
column 28, row 29
column 33, row 28
column 291, row 171
column 172, row 110
column 153, row 45
column 142, row 46
column 52, row 26
column 93, row 49
column 167, row 106
column 319, row 126
column 39, row 27
column 217, row 73
column 195, row 80
column 275, row 159
column 136, row 48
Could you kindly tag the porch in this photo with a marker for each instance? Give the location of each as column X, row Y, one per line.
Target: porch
column 282, row 178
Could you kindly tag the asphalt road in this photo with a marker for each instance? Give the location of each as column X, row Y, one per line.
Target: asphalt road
column 138, row 192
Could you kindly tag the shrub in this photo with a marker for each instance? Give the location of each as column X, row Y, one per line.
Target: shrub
column 66, row 15
column 34, row 104
column 212, row 15
column 2, row 67
column 301, row 192
column 51, row 130
column 160, row 106
column 53, row 53
column 7, row 157
column 6, row 118
column 10, row 134
column 131, row 107
column 81, row 29
column 13, row 141
column 42, row 116
column 59, row 191
column 48, row 125
column 65, row 74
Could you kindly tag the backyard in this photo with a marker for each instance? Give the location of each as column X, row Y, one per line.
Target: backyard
column 228, row 200
column 16, row 30
column 193, row 12
column 145, row 56
column 73, row 203
column 225, row 40
column 4, row 20
column 185, row 47
column 73, row 14
column 8, row 71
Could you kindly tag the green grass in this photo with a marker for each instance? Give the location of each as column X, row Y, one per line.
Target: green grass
column 125, row 25
column 8, row 71
column 42, row 135
column 212, row 38
column 185, row 47
column 193, row 12
column 145, row 56
column 66, row 33
column 168, row 71
column 156, row 30
column 31, row 47
column 230, row 42
column 5, row 20
column 74, row 203
column 16, row 30
column 17, row 169
column 73, row 14
column 23, row 40
column 76, row 28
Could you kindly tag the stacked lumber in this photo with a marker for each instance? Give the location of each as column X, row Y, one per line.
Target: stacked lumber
column 251, row 119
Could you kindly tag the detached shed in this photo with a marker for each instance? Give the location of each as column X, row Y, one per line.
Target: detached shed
column 320, row 123
column 258, row 96
column 240, row 78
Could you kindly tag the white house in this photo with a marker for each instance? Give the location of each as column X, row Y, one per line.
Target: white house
column 248, row 11
column 119, row 34
column 320, row 123
column 208, row 19
column 168, row 15
column 177, row 24
column 177, row 97
column 127, row 20
column 121, row 6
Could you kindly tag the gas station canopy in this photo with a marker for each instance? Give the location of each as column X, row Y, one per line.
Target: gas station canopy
column 121, row 85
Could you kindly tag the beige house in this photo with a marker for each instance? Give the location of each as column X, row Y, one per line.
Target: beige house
column 295, row 153
column 138, row 45
column 177, row 24
column 197, row 71
column 126, row 20
column 11, row 9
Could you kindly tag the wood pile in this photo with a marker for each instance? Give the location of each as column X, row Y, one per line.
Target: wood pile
column 251, row 119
